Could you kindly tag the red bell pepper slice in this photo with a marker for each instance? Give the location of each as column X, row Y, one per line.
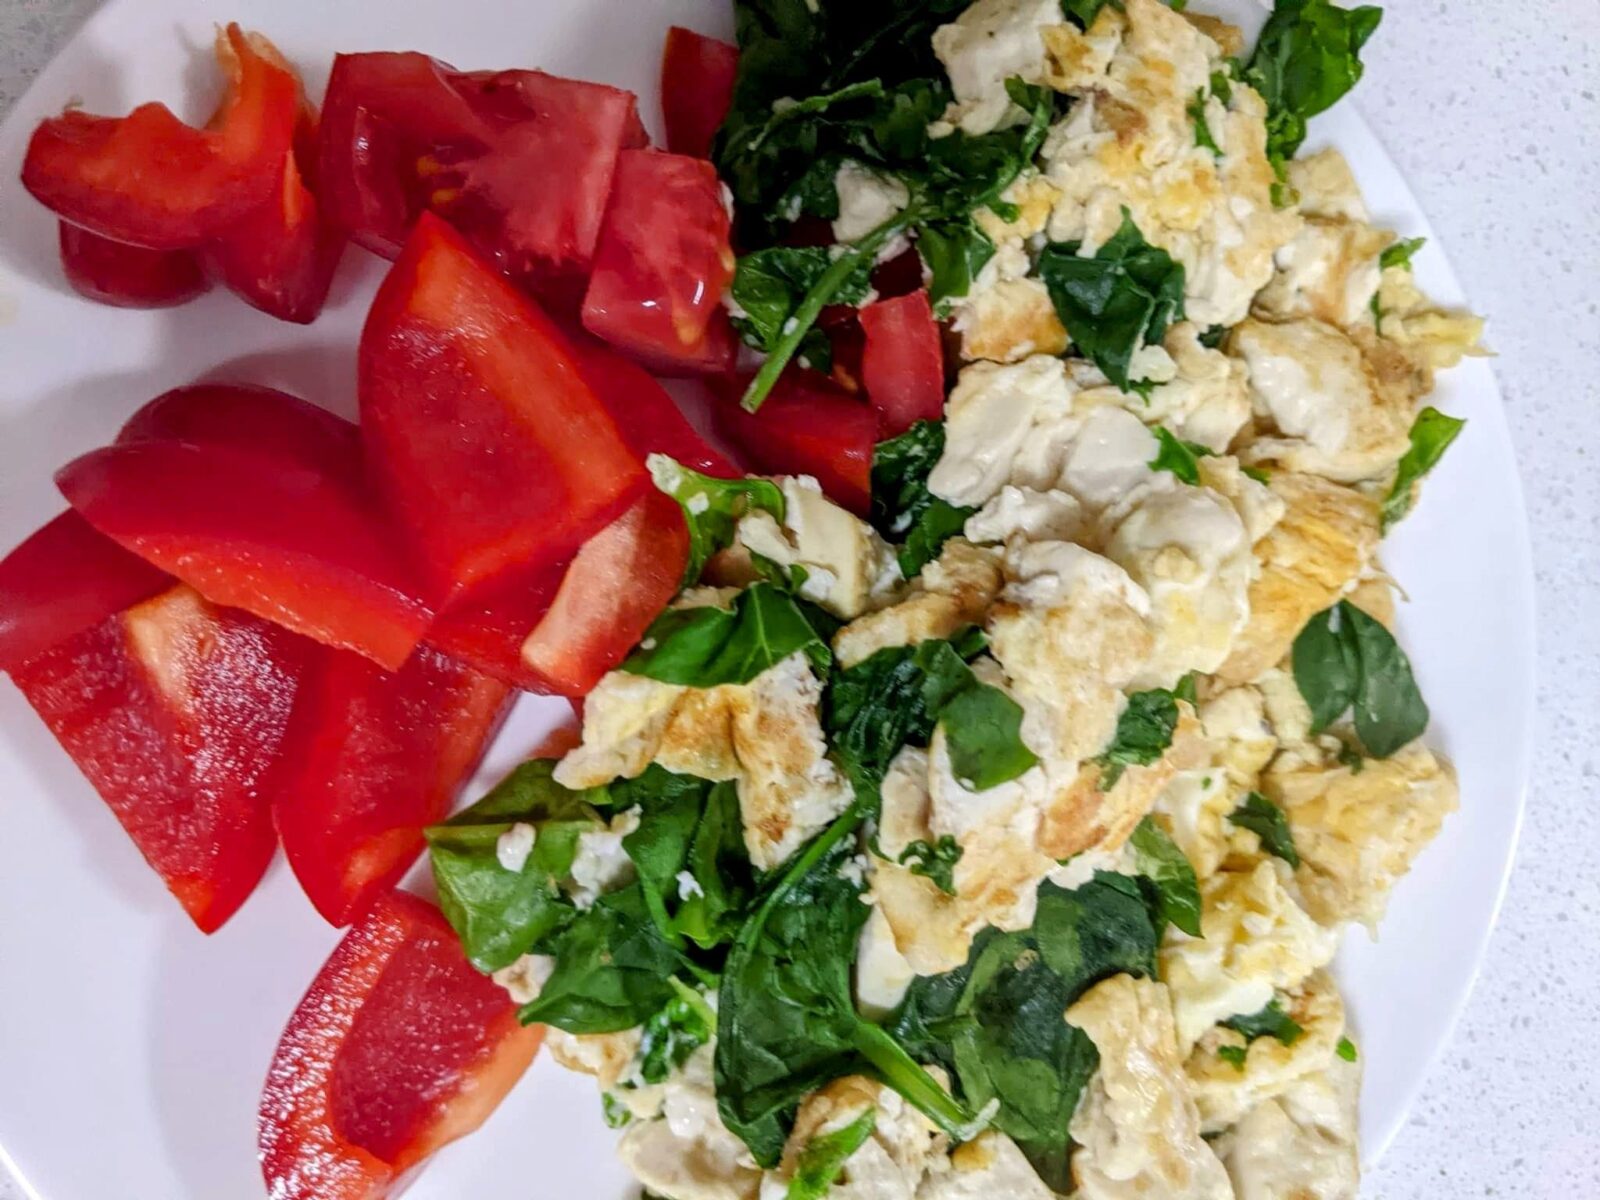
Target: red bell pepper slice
column 174, row 710
column 902, row 365
column 617, row 584
column 399, row 1047
column 697, row 75
column 662, row 261
column 808, row 427
column 64, row 579
column 371, row 758
column 520, row 161
column 149, row 179
column 486, row 627
column 260, row 532
column 127, row 276
column 491, row 447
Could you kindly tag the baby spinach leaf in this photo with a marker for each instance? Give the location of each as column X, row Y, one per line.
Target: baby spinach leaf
column 613, row 968
column 1143, row 733
column 1085, row 11
column 1431, row 435
column 954, row 251
column 768, row 285
column 1307, row 58
column 708, row 646
column 1180, row 457
column 1269, row 823
column 824, row 1157
column 1158, row 859
column 670, row 1036
column 983, row 730
column 903, row 509
column 934, row 860
column 786, row 1017
column 1234, row 1055
column 1202, row 130
column 500, row 914
column 1270, row 1021
column 1346, row 1049
column 1399, row 254
column 724, row 881
column 1344, row 659
column 711, row 506
column 1115, row 301
column 996, row 1022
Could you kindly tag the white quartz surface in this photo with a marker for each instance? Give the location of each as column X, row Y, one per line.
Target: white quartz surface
column 1492, row 110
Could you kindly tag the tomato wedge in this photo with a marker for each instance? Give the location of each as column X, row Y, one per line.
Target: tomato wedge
column 174, row 710
column 520, row 161
column 149, row 179
column 902, row 364
column 399, row 1047
column 63, row 580
column 697, row 75
column 808, row 427
column 277, row 538
column 127, row 276
column 662, row 262
column 492, row 449
column 371, row 758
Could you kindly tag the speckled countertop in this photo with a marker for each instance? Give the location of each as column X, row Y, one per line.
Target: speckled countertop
column 1493, row 113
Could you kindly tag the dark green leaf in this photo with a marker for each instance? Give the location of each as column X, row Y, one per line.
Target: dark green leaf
column 903, row 509
column 768, row 286
column 824, row 1157
column 1269, row 823
column 934, row 860
column 1158, row 859
column 1085, row 11
column 1144, row 731
column 1350, row 756
column 1202, row 131
column 707, row 646
column 711, row 507
column 616, row 1114
column 1307, row 58
column 1180, row 457
column 500, row 914
column 1188, row 688
column 683, row 1025
column 954, row 251
column 1235, row 1055
column 1431, row 435
column 1344, row 658
column 1256, row 473
column 983, row 731
column 1270, row 1021
column 1399, row 254
column 1326, row 669
column 613, row 968
column 1115, row 301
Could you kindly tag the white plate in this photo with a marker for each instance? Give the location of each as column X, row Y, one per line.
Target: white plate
column 132, row 1048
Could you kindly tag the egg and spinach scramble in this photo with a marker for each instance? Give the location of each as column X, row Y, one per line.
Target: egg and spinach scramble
column 998, row 846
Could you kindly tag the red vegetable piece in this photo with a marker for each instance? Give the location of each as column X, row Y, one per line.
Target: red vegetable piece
column 247, row 417
column 371, row 758
column 662, row 261
column 648, row 418
column 808, row 427
column 64, row 579
column 520, row 161
column 399, row 1047
column 491, row 447
column 617, row 584
column 127, row 276
column 149, row 179
column 697, row 74
column 902, row 365
column 486, row 627
column 174, row 710
column 261, row 532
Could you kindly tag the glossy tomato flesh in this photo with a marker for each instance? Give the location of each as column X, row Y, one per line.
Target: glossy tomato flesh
column 902, row 362
column 807, row 426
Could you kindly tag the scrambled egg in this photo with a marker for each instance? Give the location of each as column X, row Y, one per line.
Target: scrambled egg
column 951, row 593
column 1258, row 940
column 987, row 1168
column 990, row 42
column 687, row 1152
column 889, row 1165
column 1137, row 1129
column 1300, row 1146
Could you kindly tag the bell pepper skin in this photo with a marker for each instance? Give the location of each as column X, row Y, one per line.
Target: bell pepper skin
column 125, row 276
column 64, row 579
column 370, row 759
column 489, row 445
column 399, row 1047
column 697, row 77
column 174, row 710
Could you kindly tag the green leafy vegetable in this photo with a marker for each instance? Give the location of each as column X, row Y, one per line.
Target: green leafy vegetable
column 1269, row 823
column 615, row 1113
column 1144, row 731
column 903, row 509
column 825, row 1155
column 996, row 1022
column 1188, row 688
column 499, row 914
column 708, row 646
column 1202, row 131
column 1256, row 473
column 1346, row 1049
column 1234, row 1054
column 1180, row 457
column 934, row 860
column 1158, row 859
column 768, row 285
column 1085, row 11
column 1350, row 756
column 1269, row 1021
column 983, row 730
column 1307, row 58
column 954, row 252
column 1431, row 435
column 670, row 1036
column 786, row 1017
column 711, row 506
column 1122, row 297
column 1342, row 660
column 1399, row 254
